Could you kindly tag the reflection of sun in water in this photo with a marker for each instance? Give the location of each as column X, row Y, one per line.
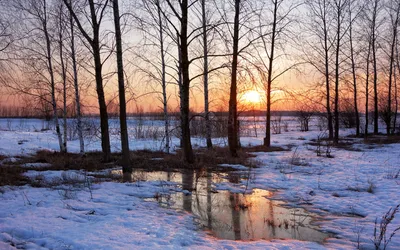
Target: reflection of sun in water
column 252, row 97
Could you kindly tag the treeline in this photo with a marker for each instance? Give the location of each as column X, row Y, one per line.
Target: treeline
column 60, row 52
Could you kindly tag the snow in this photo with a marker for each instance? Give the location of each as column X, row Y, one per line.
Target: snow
column 350, row 191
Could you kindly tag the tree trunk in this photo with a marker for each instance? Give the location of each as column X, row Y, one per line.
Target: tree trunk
column 163, row 78
column 64, row 78
column 126, row 167
column 353, row 69
column 205, row 75
column 338, row 37
column 327, row 83
column 267, row 139
column 105, row 139
column 95, row 45
column 76, row 87
column 375, row 69
column 396, row 103
column 180, row 85
column 51, row 73
column 185, row 121
column 105, row 134
column 391, row 69
column 396, row 89
column 367, row 89
column 232, row 119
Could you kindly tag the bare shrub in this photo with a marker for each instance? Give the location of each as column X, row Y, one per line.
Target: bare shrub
column 347, row 115
column 296, row 159
column 220, row 125
column 147, row 132
column 90, row 128
column 285, row 126
column 276, row 124
column 304, row 118
column 386, row 115
column 197, row 127
column 323, row 145
column 392, row 173
column 322, row 123
column 319, row 144
column 381, row 237
column 67, row 193
column 371, row 186
column 328, row 149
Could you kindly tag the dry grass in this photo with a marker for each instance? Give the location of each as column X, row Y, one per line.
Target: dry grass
column 13, row 176
column 204, row 158
column 344, row 143
column 67, row 161
column 382, row 139
column 262, row 148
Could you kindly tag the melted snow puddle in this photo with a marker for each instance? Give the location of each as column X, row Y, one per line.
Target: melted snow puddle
column 234, row 216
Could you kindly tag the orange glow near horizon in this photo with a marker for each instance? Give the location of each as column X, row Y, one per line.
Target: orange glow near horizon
column 252, row 97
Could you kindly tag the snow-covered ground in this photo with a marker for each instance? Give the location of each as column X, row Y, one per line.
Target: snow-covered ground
column 349, row 190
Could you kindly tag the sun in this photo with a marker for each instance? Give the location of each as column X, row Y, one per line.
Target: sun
column 252, row 97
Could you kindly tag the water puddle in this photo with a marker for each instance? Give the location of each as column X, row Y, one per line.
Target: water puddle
column 235, row 216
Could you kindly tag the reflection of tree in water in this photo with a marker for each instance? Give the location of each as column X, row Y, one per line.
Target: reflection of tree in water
column 235, row 216
column 209, row 205
column 235, row 207
column 271, row 217
column 187, row 184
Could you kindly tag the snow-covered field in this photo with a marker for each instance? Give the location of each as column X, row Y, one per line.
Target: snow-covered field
column 349, row 190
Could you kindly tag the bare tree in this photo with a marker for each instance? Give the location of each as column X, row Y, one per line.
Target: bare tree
column 367, row 76
column 154, row 28
column 61, row 30
column 320, row 11
column 374, row 25
column 394, row 13
column 271, row 49
column 340, row 12
column 206, row 72
column 233, row 116
column 396, row 73
column 76, row 83
column 97, row 11
column 126, row 168
column 38, row 14
column 352, row 19
column 163, row 76
column 181, row 11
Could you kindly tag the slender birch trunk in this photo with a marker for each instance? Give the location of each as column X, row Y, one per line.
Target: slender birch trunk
column 51, row 73
column 205, row 75
column 76, row 87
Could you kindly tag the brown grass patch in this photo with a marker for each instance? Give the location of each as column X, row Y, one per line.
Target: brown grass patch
column 91, row 161
column 382, row 139
column 344, row 143
column 262, row 148
column 13, row 176
column 204, row 158
column 2, row 157
column 141, row 159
